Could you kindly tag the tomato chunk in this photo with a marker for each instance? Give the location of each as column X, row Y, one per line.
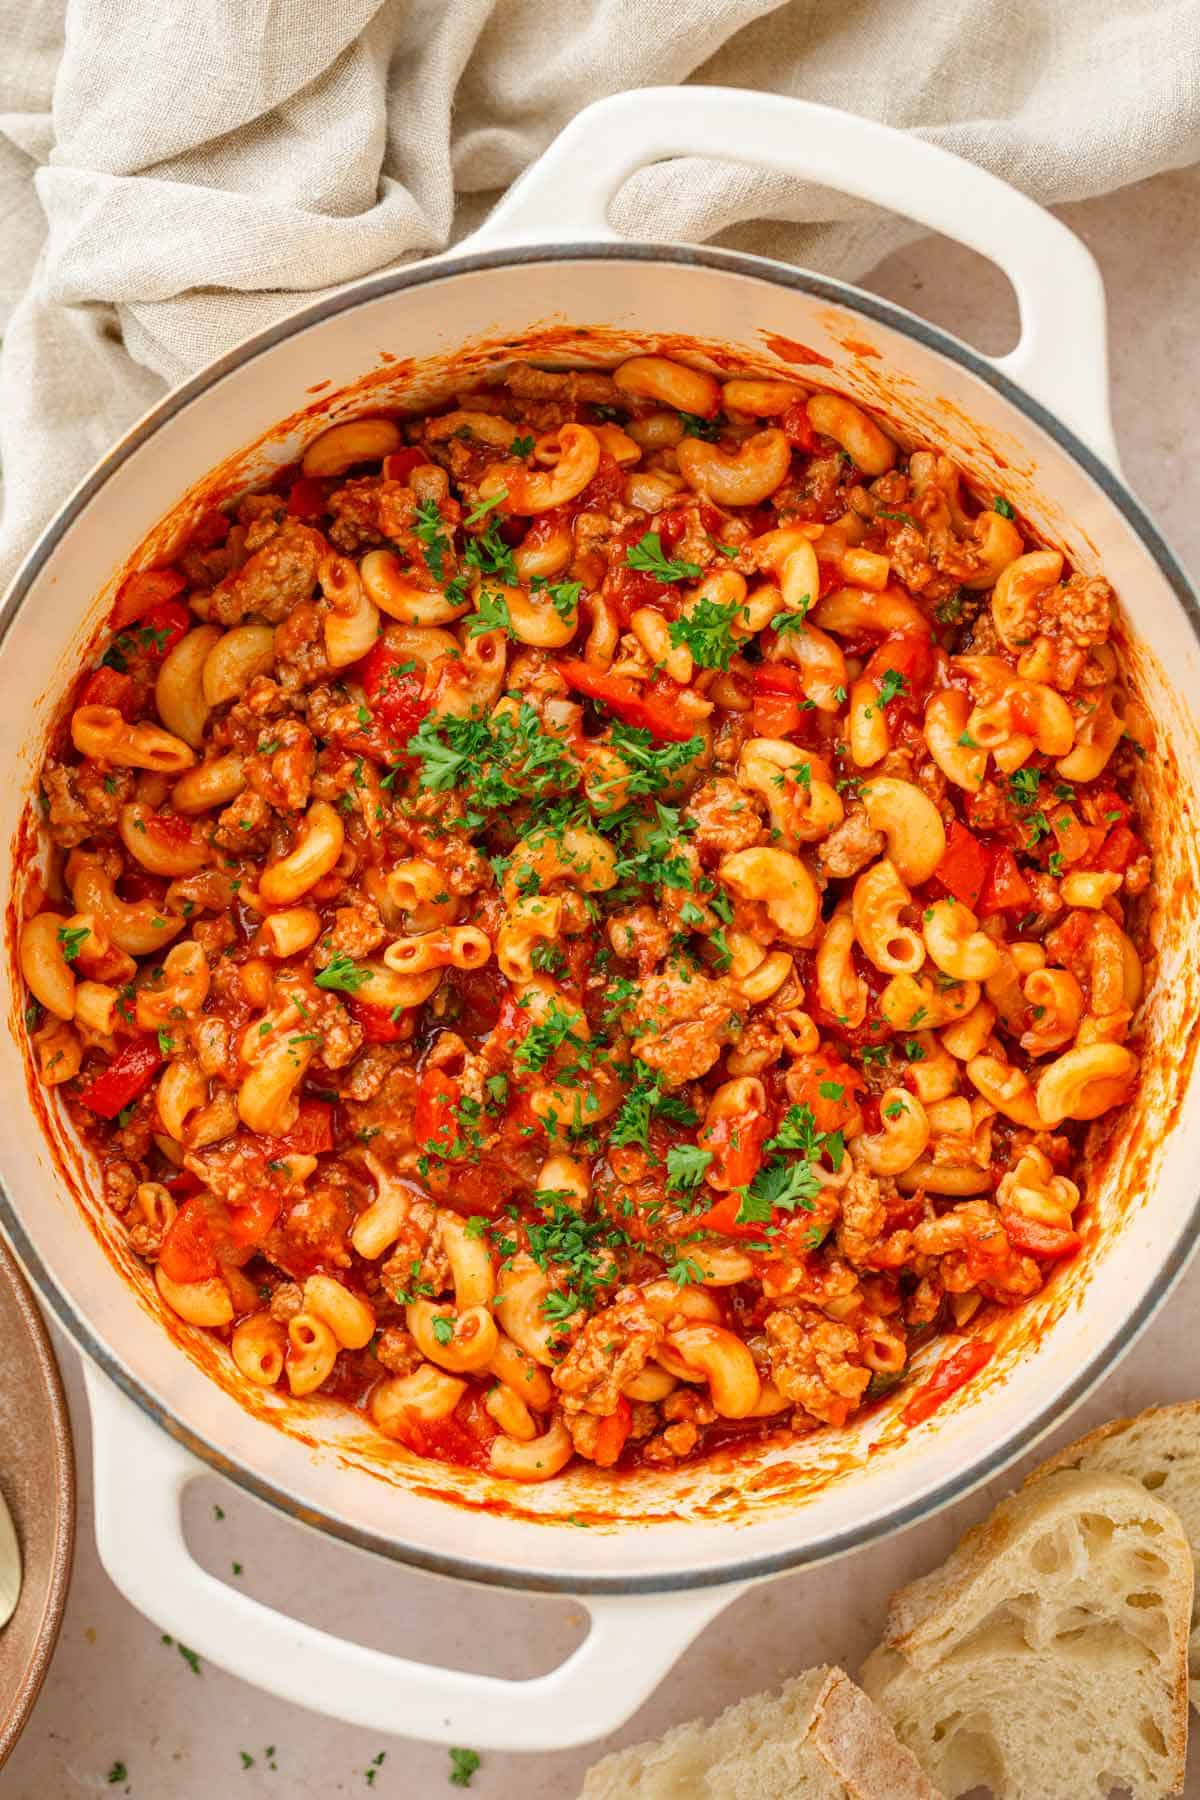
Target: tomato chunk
column 780, row 708
column 964, row 868
column 735, row 1143
column 722, row 1219
column 126, row 1078
column 307, row 498
column 188, row 1252
column 1033, row 1238
column 311, row 1135
column 643, row 708
column 140, row 593
column 395, row 691
column 953, row 1372
column 1006, row 889
column 612, row 1433
column 1120, row 848
column 434, row 1121
column 902, row 669
column 249, row 1222
column 379, row 1026
column 110, row 687
column 401, row 463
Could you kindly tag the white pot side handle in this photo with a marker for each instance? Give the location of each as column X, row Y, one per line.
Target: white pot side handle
column 1062, row 355
column 140, row 1477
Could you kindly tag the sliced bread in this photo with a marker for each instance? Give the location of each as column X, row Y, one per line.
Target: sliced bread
column 1160, row 1448
column 819, row 1739
column 1047, row 1658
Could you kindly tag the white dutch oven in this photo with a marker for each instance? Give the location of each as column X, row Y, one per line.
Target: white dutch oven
column 667, row 1552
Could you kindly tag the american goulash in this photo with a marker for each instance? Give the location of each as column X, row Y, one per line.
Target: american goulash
column 594, row 923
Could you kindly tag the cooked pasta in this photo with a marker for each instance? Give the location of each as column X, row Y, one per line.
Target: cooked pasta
column 591, row 925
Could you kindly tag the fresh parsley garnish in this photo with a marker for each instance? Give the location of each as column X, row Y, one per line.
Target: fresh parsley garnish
column 707, row 631
column 647, row 556
column 72, row 939
column 686, row 1165
column 343, row 974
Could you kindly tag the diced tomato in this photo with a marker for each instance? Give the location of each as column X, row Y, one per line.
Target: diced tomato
column 401, row 463
column 779, row 708
column 796, row 427
column 722, row 1218
column 1104, row 803
column 379, row 1027
column 823, row 1071
column 672, row 523
column 166, row 624
column 110, row 687
column 307, row 498
column 126, row 1078
column 645, row 708
column 250, row 1221
column 182, row 1184
column 188, row 1252
column 735, row 1143
column 604, row 490
column 612, row 1433
column 210, row 529
column 142, row 592
column 1033, row 1238
column 965, row 866
column 395, row 692
column 911, row 659
column 1120, row 848
column 953, row 1372
column 1006, row 889
column 434, row 1121
column 311, row 1135
column 170, row 828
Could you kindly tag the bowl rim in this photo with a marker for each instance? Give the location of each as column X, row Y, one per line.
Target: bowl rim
column 743, row 1568
column 13, row 1722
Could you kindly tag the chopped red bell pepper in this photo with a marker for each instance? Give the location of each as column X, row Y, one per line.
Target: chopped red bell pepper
column 110, row 687
column 1034, row 1238
column 395, row 691
column 188, row 1252
column 964, row 868
column 126, row 1078
column 780, row 708
column 1120, row 848
column 796, row 427
column 182, row 1184
column 735, row 1144
column 140, row 593
column 165, row 624
column 1006, row 889
column 902, row 669
column 953, row 1372
column 378, row 1024
column 250, row 1221
column 722, row 1218
column 401, row 463
column 612, row 1433
column 434, row 1122
column 210, row 529
column 311, row 1135
column 811, row 1074
column 643, row 708
column 306, row 499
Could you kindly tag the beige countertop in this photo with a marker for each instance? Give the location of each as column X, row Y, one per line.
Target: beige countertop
column 118, row 1694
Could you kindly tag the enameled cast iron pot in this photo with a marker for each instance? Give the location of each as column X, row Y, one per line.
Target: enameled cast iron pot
column 548, row 279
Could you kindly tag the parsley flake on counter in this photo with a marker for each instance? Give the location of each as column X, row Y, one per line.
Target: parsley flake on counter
column 116, row 1774
column 463, row 1764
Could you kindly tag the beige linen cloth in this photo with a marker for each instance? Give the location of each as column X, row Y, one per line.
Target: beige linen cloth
column 175, row 174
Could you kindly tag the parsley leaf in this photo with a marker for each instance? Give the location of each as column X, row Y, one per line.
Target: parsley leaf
column 891, row 684
column 71, row 941
column 694, row 425
column 492, row 615
column 463, row 1764
column 686, row 1164
column 1000, row 505
column 342, row 974
column 706, row 629
column 647, row 556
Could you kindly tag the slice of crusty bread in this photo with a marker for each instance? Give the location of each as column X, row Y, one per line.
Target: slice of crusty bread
column 819, row 1739
column 1047, row 1658
column 1160, row 1448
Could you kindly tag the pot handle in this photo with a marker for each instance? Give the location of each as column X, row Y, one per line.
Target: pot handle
column 1062, row 357
column 140, row 1478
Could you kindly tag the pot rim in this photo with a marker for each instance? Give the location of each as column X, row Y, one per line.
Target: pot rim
column 870, row 306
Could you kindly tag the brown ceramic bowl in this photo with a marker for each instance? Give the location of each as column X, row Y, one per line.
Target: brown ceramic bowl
column 37, row 1479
